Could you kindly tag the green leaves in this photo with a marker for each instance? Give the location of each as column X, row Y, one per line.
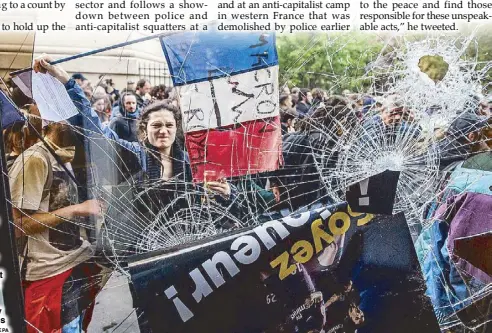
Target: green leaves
column 333, row 62
column 434, row 66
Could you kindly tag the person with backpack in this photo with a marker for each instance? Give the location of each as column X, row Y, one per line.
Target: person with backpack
column 54, row 249
column 59, row 278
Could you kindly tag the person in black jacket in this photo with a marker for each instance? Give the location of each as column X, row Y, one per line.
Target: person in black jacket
column 307, row 152
column 142, row 92
column 304, row 103
column 126, row 124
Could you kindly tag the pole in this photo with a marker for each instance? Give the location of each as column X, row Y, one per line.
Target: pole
column 107, row 48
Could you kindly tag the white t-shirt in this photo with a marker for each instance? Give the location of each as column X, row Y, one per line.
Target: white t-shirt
column 58, row 249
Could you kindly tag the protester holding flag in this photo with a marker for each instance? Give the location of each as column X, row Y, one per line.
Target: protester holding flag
column 299, row 183
column 143, row 93
column 159, row 153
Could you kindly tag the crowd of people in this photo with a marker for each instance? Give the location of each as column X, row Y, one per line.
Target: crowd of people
column 51, row 210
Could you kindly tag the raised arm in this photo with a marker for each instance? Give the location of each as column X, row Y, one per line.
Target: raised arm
column 87, row 117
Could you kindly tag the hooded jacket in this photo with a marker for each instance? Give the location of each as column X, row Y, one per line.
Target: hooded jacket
column 125, row 124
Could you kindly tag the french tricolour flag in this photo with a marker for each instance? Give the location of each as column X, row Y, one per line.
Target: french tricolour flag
column 229, row 98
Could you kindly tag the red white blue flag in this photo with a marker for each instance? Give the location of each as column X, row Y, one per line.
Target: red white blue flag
column 229, row 97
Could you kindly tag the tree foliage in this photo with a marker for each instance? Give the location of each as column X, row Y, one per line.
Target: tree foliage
column 336, row 62
column 333, row 62
column 481, row 51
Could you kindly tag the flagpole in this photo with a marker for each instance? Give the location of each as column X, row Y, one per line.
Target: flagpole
column 107, row 48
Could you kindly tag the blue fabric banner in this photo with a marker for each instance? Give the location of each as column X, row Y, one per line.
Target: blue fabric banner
column 9, row 112
column 201, row 56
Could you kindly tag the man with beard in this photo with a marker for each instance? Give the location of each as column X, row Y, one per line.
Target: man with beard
column 126, row 124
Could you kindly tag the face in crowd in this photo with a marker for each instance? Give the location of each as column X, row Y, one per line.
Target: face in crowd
column 145, row 89
column 309, row 98
column 161, row 129
column 160, row 125
column 393, row 114
column 130, row 103
column 99, row 105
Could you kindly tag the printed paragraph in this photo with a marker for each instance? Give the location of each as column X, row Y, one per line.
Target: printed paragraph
column 152, row 16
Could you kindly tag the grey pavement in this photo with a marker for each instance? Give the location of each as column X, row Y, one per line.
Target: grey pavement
column 113, row 311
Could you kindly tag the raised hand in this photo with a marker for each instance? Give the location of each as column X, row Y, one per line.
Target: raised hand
column 42, row 65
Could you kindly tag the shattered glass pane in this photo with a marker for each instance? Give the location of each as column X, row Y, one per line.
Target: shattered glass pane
column 415, row 106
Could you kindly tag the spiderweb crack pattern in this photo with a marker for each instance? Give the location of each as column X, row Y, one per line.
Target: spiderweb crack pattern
column 344, row 150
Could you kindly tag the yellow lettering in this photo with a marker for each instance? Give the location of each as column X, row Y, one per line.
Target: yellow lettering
column 284, row 270
column 319, row 234
column 365, row 220
column 351, row 213
column 332, row 223
column 302, row 251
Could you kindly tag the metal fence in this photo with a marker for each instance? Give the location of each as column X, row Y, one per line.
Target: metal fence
column 156, row 73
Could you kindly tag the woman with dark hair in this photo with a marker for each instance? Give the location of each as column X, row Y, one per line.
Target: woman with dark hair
column 159, row 93
column 164, row 171
column 159, row 154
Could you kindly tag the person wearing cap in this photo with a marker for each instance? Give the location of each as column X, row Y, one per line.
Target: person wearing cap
column 463, row 138
column 463, row 148
column 80, row 79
